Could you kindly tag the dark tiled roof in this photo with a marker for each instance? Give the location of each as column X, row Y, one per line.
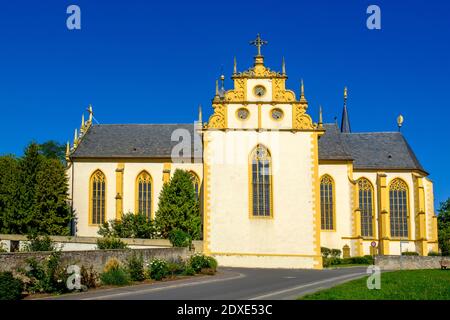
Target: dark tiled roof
column 130, row 141
column 376, row 150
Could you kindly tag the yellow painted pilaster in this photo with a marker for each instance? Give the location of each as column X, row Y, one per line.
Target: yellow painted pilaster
column 434, row 227
column 206, row 199
column 166, row 172
column 421, row 231
column 356, row 212
column 384, row 218
column 316, row 188
column 119, row 190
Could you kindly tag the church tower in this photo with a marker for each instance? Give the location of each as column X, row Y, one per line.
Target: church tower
column 261, row 184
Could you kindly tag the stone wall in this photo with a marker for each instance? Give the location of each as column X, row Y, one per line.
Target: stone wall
column 409, row 262
column 96, row 258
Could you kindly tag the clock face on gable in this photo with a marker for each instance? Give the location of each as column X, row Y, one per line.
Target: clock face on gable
column 259, row 91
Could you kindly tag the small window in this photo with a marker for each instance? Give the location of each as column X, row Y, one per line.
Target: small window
column 242, row 114
column 277, row 114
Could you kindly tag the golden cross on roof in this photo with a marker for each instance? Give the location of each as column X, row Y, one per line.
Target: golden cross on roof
column 258, row 43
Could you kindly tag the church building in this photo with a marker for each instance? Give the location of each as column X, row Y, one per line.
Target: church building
column 274, row 186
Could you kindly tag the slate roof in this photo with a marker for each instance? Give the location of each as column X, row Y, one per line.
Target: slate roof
column 130, row 141
column 375, row 150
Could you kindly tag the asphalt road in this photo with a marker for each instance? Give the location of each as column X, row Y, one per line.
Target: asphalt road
column 229, row 284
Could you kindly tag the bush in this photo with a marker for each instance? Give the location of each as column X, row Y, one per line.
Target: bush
column 37, row 243
column 10, row 288
column 115, row 277
column 130, row 226
column 434, row 254
column 89, row 277
column 333, row 261
column 48, row 277
column 158, row 269
column 179, row 238
column 135, row 267
column 114, row 274
column 110, row 243
column 188, row 270
column 200, row 261
column 409, row 253
column 175, row 268
column 335, row 253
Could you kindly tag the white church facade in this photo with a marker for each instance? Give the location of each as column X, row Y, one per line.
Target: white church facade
column 274, row 185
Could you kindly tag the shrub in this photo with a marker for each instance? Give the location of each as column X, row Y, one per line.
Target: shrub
column 434, row 254
column 111, row 264
column 358, row 260
column 175, row 268
column 130, row 226
column 89, row 277
column 200, row 261
column 135, row 267
column 158, row 269
column 179, row 238
column 335, row 253
column 409, row 253
column 48, row 277
column 110, row 243
column 37, row 243
column 188, row 270
column 326, row 252
column 115, row 277
column 10, row 288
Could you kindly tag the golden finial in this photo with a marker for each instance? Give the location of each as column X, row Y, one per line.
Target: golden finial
column 217, row 88
column 200, row 113
column 258, row 43
column 345, row 93
column 91, row 113
column 400, row 121
column 320, row 117
column 222, row 80
column 75, row 138
column 283, row 67
column 82, row 123
column 234, row 66
column 67, row 150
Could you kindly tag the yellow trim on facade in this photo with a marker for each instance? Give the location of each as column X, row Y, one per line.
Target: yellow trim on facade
column 316, row 196
column 264, row 254
column 259, row 116
column 384, row 224
column 90, row 198
column 420, row 221
column 119, row 190
column 166, row 172
column 374, row 209
column 206, row 200
column 136, row 194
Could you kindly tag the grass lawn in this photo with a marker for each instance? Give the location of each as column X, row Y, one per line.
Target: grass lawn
column 396, row 285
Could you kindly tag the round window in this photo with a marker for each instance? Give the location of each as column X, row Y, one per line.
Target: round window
column 242, row 114
column 277, row 114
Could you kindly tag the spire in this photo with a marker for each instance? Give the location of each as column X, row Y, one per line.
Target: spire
column 302, row 92
column 75, row 138
column 320, row 117
column 345, row 122
column 234, row 66
column 200, row 113
column 217, row 88
column 91, row 113
column 222, row 80
column 283, row 67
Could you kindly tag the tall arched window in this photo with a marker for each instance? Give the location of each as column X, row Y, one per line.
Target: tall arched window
column 365, row 193
column 398, row 204
column 327, row 203
column 196, row 183
column 261, row 182
column 144, row 194
column 97, row 195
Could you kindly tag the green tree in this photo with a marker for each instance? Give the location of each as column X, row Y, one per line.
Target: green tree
column 51, row 212
column 178, row 207
column 444, row 227
column 53, row 150
column 9, row 216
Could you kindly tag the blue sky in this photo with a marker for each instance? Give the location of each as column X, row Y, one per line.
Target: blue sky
column 154, row 62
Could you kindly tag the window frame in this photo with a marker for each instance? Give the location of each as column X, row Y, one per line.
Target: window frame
column 136, row 193
column 250, row 184
column 333, row 199
column 91, row 198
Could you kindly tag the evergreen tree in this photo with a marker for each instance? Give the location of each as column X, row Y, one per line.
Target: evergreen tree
column 51, row 212
column 178, row 207
column 9, row 173
column 444, row 227
column 29, row 166
column 53, row 150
